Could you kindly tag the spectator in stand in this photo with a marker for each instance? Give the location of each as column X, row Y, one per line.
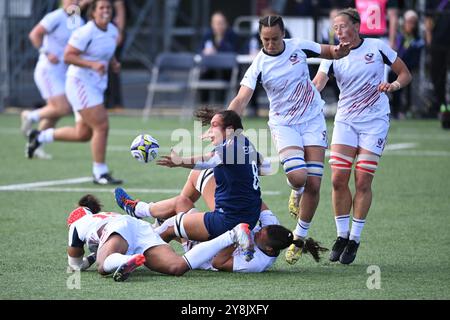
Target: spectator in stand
column 437, row 26
column 219, row 38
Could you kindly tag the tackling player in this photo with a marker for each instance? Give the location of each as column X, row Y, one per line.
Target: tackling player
column 120, row 243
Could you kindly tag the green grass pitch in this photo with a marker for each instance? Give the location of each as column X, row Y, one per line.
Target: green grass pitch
column 406, row 234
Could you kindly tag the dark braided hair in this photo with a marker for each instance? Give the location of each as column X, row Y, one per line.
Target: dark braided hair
column 270, row 21
column 90, row 202
column 280, row 238
column 230, row 118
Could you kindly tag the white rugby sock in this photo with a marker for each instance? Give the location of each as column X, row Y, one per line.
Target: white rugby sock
column 301, row 230
column 142, row 209
column 46, row 136
column 113, row 261
column 205, row 251
column 342, row 225
column 98, row 169
column 357, row 227
column 34, row 116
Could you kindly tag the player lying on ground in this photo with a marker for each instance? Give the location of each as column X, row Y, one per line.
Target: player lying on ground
column 120, row 243
column 269, row 240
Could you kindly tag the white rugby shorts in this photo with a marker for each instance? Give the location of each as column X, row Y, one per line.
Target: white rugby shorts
column 50, row 79
column 370, row 135
column 309, row 133
column 82, row 94
column 139, row 234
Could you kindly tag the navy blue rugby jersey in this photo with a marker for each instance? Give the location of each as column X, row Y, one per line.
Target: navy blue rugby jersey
column 237, row 180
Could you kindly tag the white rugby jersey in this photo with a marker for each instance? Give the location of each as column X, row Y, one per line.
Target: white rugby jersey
column 261, row 261
column 59, row 26
column 285, row 77
column 96, row 45
column 358, row 76
column 85, row 229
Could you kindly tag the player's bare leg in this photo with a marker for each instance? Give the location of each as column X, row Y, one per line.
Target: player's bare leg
column 308, row 203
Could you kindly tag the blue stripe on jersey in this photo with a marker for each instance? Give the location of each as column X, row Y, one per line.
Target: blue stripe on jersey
column 290, row 159
column 295, row 168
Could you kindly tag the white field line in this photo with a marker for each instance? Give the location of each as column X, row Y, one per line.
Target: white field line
column 48, row 186
column 33, row 185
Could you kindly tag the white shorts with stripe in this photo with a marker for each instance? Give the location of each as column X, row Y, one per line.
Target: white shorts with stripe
column 370, row 135
column 139, row 234
column 310, row 133
column 82, row 94
column 50, row 79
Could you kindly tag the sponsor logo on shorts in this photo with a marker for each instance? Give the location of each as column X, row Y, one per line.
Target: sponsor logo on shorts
column 380, row 143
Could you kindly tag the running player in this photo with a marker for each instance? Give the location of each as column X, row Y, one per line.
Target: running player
column 50, row 37
column 361, row 125
column 89, row 53
column 296, row 118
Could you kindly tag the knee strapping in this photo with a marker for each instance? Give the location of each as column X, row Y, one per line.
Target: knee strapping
column 340, row 161
column 293, row 160
column 367, row 163
column 179, row 227
column 315, row 168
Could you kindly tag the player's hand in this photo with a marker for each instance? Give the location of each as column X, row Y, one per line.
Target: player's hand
column 388, row 87
column 342, row 49
column 115, row 66
column 98, row 67
column 52, row 58
column 174, row 160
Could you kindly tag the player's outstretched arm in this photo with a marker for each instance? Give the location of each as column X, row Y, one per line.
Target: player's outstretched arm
column 196, row 162
column 331, row 52
column 76, row 259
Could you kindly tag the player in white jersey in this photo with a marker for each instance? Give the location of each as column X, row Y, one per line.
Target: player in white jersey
column 296, row 118
column 361, row 125
column 269, row 237
column 89, row 54
column 50, row 37
column 119, row 244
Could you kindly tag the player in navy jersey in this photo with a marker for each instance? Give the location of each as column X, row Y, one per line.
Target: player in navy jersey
column 296, row 118
column 237, row 194
column 361, row 125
